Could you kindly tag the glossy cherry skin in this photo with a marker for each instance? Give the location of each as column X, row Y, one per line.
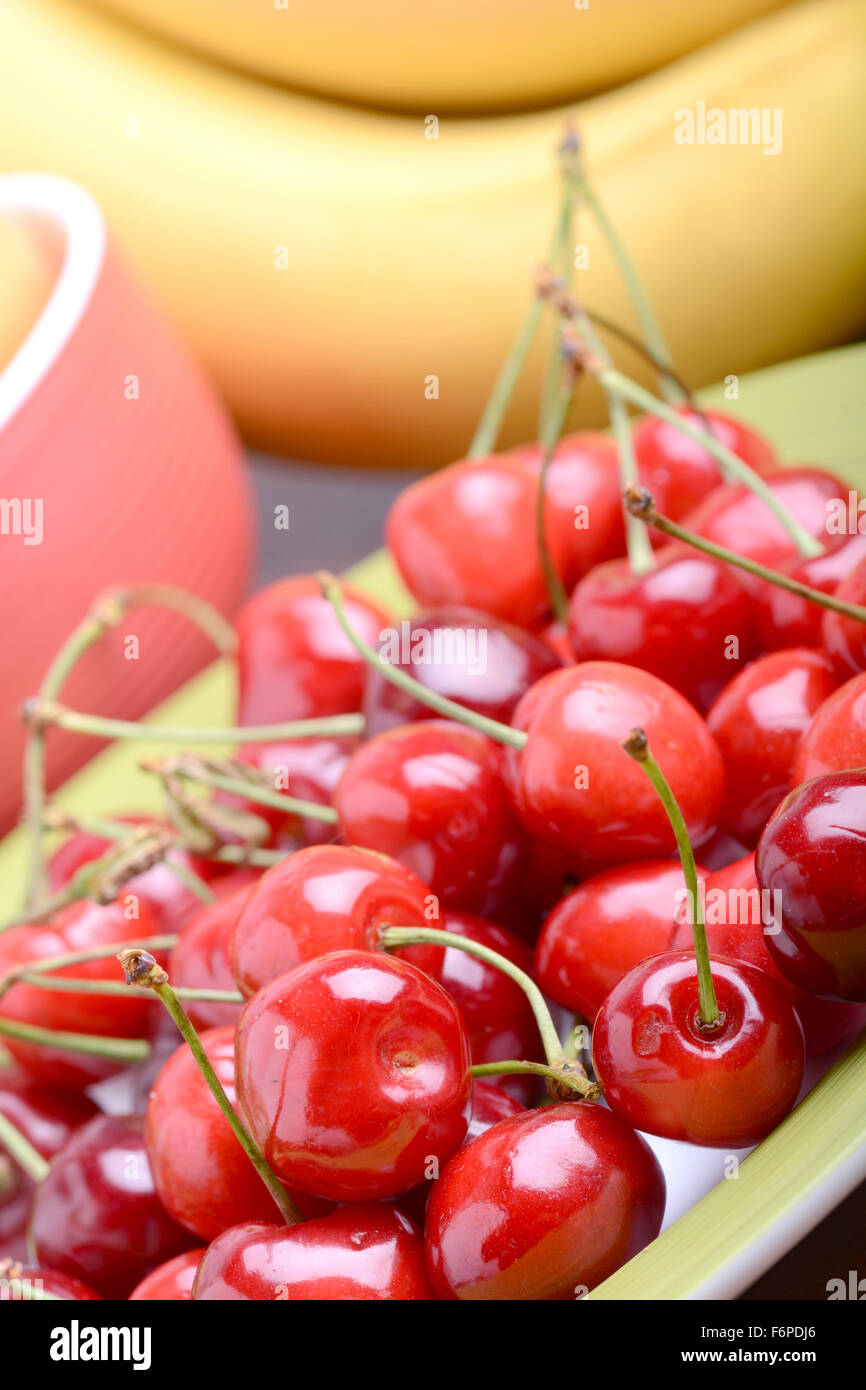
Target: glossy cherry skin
column 465, row 655
column 322, row 899
column 662, row 1074
column 573, row 784
column 498, row 1018
column 82, row 926
column 845, row 638
column 787, row 620
column 615, row 615
column 48, row 1117
column 97, row 1216
column 168, row 900
column 490, row 1104
column 736, row 518
column 202, row 957
column 171, row 1282
column 836, row 737
column 431, row 796
column 466, row 535
column 362, row 1252
column 202, row 1175
column 679, row 472
column 736, row 920
column 42, row 1281
column 609, row 923
column 306, row 768
column 758, row 722
column 294, row 660
column 812, row 855
column 353, row 1074
column 542, row 1207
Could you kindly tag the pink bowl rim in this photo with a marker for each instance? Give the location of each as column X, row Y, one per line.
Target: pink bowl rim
column 78, row 216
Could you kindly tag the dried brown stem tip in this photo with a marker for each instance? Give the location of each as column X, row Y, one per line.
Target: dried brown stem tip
column 565, row 1090
column 141, row 968
column 637, row 745
column 639, row 502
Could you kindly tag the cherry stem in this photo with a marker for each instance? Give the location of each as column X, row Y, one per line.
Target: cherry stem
column 65, row 986
column 639, row 502
column 106, row 613
column 140, row 968
column 560, row 1076
column 616, row 330
column 226, row 854
column 18, row 1146
column 502, row 733
column 637, row 748
column 394, row 938
column 650, row 327
column 50, row 713
column 254, row 790
column 806, row 544
column 562, row 259
column 553, row 427
column 116, row 1049
column 490, row 424
column 89, row 953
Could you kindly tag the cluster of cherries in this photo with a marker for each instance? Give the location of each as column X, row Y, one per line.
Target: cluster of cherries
column 424, row 1131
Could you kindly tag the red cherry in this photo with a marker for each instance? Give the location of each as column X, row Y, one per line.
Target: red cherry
column 812, row 856
column 294, row 659
column 615, row 615
column 555, row 636
column 462, row 654
column 202, row 957
column 353, row 1075
column 573, row 784
column 679, row 472
column 845, row 638
column 758, row 722
column 490, row 1104
column 735, row 922
column 498, row 1018
column 82, row 926
column 41, row 1281
column 306, row 768
column 202, row 1175
column 432, row 797
column 171, row 1282
column 322, row 899
column 542, row 1206
column 47, row 1116
column 663, row 1074
column 361, row 1252
column 836, row 737
column 96, row 1216
column 605, row 926
column 736, row 518
column 168, row 900
column 787, row 620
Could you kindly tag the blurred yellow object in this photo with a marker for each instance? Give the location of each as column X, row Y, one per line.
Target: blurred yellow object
column 27, row 273
column 352, row 284
column 454, row 55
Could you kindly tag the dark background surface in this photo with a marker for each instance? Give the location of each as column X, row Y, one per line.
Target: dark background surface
column 337, row 517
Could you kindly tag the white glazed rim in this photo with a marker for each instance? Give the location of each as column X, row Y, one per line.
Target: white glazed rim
column 83, row 227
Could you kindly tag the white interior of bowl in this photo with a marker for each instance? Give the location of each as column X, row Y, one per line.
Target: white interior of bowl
column 75, row 214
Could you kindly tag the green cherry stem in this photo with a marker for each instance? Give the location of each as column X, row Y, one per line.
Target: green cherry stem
column 62, row 962
column 18, row 1146
column 637, row 748
column 59, row 984
column 490, row 424
column 254, row 790
column 650, row 327
column 50, row 713
column 553, row 427
column 116, row 1049
column 393, row 938
column 560, row 1076
column 639, row 503
column 140, row 968
column 501, row 733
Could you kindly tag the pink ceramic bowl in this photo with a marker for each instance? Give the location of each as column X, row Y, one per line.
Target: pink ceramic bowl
column 117, row 466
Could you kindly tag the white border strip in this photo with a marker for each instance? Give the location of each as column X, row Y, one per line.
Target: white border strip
column 79, row 217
